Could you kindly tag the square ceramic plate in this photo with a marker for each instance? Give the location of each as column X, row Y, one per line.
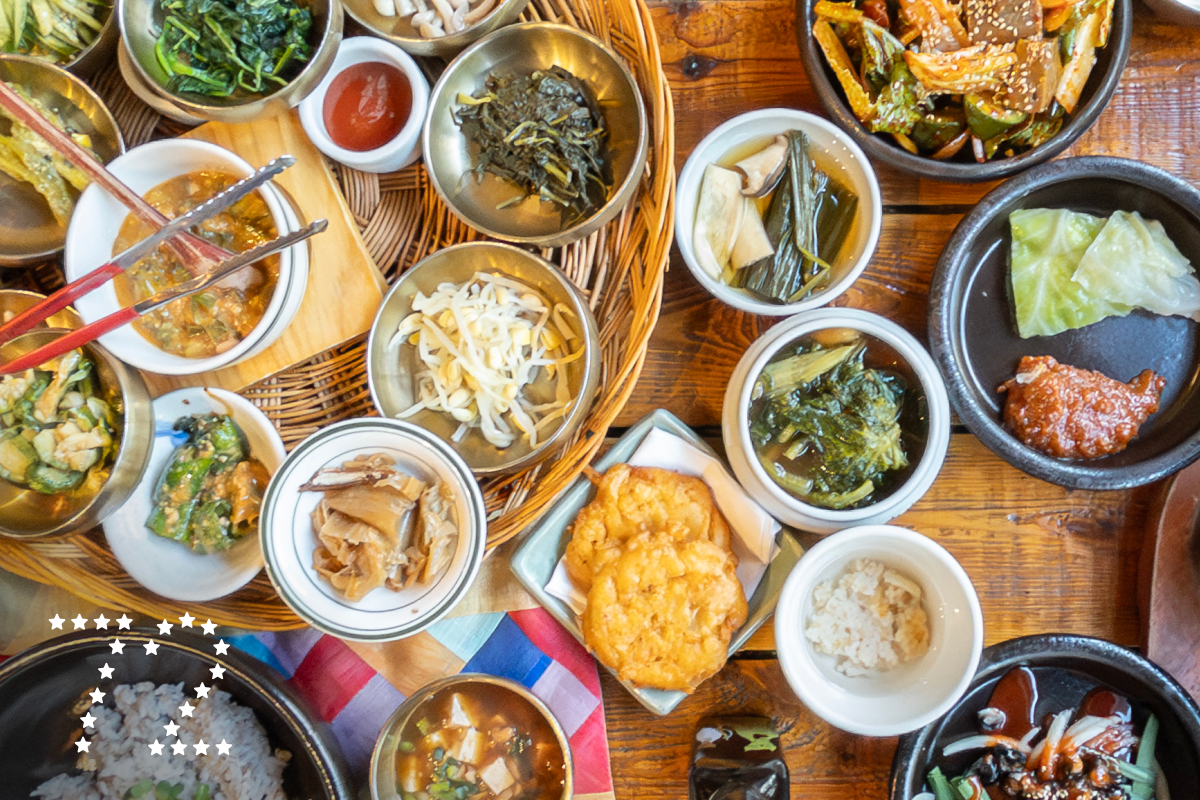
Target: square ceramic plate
column 534, row 561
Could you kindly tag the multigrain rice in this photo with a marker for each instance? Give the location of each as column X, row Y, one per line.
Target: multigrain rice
column 870, row 619
column 119, row 756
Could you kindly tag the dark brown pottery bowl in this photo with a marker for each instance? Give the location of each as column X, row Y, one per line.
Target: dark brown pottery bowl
column 963, row 168
column 1066, row 667
column 973, row 334
column 39, row 687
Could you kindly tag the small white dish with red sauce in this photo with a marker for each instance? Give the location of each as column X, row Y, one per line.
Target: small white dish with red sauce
column 368, row 111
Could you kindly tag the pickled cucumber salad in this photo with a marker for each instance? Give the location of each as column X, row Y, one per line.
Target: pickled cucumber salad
column 57, row 434
column 210, row 494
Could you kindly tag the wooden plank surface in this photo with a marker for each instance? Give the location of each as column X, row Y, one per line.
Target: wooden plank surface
column 1042, row 558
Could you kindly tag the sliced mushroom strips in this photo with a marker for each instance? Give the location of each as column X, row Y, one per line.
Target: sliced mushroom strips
column 763, row 169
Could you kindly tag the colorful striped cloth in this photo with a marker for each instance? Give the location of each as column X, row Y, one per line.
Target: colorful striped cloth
column 356, row 687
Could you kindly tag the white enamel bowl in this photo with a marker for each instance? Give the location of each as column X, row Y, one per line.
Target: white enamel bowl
column 762, row 126
column 98, row 219
column 786, row 507
column 911, row 695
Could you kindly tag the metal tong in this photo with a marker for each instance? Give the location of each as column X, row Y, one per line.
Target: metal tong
column 68, row 294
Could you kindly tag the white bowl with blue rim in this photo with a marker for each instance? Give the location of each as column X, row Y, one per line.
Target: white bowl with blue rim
column 288, row 540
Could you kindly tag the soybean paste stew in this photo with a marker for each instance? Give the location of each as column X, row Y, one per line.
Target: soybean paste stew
column 479, row 741
column 207, row 323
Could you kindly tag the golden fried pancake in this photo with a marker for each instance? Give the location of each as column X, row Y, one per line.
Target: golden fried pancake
column 635, row 500
column 661, row 612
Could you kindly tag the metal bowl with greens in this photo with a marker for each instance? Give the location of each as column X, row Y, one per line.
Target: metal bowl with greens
column 231, row 60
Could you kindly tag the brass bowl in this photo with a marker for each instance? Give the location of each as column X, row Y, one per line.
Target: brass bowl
column 17, row 301
column 26, row 514
column 139, row 19
column 387, row 747
column 521, row 49
column 400, row 32
column 390, row 373
column 28, row 231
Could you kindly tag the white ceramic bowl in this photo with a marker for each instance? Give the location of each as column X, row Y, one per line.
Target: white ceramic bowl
column 784, row 506
column 166, row 567
column 288, row 540
column 94, row 229
column 911, row 695
column 762, row 126
column 400, row 151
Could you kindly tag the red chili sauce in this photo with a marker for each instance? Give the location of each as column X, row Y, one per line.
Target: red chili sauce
column 367, row 105
column 1068, row 412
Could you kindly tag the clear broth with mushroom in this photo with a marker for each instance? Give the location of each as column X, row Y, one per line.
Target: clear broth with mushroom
column 479, row 741
column 207, row 323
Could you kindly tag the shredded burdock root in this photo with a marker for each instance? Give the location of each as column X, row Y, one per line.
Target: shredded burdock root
column 481, row 344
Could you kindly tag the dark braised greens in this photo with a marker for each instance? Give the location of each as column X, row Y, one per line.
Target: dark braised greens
column 209, row 495
column 543, row 132
column 807, row 221
column 825, row 427
column 219, row 47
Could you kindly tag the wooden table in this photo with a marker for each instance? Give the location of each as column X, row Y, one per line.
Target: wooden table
column 1043, row 558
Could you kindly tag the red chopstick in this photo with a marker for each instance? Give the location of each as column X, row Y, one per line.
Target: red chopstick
column 72, row 340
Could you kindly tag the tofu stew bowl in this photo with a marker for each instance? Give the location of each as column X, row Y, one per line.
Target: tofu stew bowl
column 476, row 729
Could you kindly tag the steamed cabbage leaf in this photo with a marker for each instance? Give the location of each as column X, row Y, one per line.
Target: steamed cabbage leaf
column 1048, row 245
column 1133, row 262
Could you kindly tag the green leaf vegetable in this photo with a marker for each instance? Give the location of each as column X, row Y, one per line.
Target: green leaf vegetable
column 55, row 432
column 52, row 30
column 544, row 133
column 26, row 156
column 208, row 496
column 827, row 428
column 807, row 221
column 219, row 48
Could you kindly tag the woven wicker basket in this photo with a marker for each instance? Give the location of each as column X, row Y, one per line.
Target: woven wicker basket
column 620, row 268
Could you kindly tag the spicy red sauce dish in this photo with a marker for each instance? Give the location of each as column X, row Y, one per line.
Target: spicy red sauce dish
column 367, row 105
column 1067, row 412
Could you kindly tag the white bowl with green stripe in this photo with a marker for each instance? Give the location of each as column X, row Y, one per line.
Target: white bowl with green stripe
column 288, row 540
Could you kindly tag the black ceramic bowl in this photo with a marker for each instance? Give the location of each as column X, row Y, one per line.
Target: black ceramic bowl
column 39, row 687
column 963, row 168
column 973, row 331
column 1066, row 667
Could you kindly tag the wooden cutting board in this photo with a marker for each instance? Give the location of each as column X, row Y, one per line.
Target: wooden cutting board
column 345, row 287
column 1169, row 592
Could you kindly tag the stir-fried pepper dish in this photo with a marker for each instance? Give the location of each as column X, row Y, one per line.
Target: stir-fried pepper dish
column 544, row 133
column 210, row 494
column 56, row 432
column 220, row 48
column 1000, row 74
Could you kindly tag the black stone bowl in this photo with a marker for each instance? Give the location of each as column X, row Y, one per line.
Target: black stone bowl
column 40, row 687
column 1066, row 667
column 963, row 168
column 973, row 331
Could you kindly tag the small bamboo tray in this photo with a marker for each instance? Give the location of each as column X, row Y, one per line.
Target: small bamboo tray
column 620, row 269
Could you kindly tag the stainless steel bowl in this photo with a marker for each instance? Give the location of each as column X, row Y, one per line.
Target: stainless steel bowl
column 400, row 32
column 521, row 49
column 28, row 231
column 26, row 514
column 141, row 19
column 390, row 371
column 387, row 747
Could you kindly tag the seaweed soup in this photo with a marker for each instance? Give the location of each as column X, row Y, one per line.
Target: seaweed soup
column 895, row 372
